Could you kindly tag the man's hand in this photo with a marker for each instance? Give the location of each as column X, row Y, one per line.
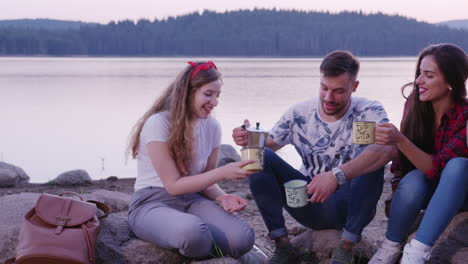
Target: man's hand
column 322, row 186
column 239, row 134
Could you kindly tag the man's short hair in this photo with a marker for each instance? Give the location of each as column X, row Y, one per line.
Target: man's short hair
column 339, row 62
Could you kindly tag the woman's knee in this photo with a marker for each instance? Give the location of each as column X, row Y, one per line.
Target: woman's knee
column 413, row 187
column 194, row 240
column 242, row 242
column 456, row 169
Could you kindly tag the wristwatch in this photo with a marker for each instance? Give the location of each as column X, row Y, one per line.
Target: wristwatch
column 339, row 175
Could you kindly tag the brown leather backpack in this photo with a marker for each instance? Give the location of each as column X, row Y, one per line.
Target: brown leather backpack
column 59, row 230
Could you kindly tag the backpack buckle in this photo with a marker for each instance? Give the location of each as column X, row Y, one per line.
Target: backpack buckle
column 61, row 222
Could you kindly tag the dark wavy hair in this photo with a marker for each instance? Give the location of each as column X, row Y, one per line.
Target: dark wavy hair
column 338, row 62
column 418, row 122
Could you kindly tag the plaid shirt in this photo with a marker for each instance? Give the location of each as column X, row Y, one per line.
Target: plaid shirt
column 450, row 139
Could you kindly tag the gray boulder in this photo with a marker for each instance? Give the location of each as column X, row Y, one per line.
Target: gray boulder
column 227, row 154
column 7, row 178
column 226, row 260
column 322, row 243
column 116, row 246
column 13, row 208
column 460, row 257
column 451, row 247
column 117, row 201
column 73, row 177
column 11, row 175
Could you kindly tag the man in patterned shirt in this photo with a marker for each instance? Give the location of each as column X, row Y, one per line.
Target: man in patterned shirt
column 345, row 179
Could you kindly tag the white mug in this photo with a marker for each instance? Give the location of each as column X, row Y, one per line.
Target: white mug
column 296, row 193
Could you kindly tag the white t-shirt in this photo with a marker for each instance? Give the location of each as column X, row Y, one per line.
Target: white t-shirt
column 324, row 145
column 206, row 134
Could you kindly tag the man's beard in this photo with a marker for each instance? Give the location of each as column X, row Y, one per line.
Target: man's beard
column 331, row 113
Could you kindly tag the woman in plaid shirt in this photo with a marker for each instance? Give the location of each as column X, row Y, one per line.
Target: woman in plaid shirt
column 432, row 154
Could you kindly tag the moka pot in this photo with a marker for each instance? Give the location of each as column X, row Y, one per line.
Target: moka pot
column 256, row 139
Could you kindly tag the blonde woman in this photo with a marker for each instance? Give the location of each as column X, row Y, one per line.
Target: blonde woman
column 176, row 144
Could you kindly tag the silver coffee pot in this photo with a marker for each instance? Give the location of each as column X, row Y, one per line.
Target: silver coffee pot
column 256, row 136
column 256, row 139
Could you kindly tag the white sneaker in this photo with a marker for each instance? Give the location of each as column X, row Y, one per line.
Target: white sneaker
column 388, row 253
column 416, row 252
column 254, row 256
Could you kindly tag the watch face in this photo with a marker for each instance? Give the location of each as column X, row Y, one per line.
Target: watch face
column 340, row 178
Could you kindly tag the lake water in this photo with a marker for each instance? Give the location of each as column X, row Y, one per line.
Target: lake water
column 59, row 114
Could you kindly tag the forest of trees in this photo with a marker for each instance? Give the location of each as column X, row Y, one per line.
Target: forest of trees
column 258, row 32
column 49, row 24
column 458, row 23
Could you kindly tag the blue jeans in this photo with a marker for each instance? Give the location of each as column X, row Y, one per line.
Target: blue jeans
column 351, row 207
column 443, row 198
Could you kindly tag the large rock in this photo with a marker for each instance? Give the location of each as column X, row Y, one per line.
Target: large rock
column 227, row 154
column 73, row 177
column 11, row 175
column 322, row 243
column 116, row 246
column 7, row 178
column 117, row 201
column 13, row 208
column 218, row 261
column 461, row 257
column 457, row 229
column 452, row 245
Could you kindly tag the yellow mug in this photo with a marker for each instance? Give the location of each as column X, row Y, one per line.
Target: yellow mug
column 364, row 132
column 253, row 154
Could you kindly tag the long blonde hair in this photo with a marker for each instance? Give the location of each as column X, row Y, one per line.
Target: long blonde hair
column 177, row 100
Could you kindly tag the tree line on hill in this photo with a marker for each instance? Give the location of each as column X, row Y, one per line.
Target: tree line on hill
column 49, row 24
column 458, row 24
column 259, row 32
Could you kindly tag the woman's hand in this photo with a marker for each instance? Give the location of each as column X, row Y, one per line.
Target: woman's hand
column 387, row 134
column 232, row 203
column 234, row 171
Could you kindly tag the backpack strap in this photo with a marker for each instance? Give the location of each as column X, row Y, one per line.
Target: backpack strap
column 72, row 193
column 101, row 206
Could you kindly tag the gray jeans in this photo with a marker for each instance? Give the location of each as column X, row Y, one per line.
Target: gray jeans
column 190, row 223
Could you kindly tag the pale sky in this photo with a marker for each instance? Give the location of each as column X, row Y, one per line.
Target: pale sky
column 103, row 11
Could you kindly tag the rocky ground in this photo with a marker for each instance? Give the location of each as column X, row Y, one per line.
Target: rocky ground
column 373, row 233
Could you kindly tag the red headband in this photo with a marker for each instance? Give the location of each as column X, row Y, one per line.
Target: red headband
column 198, row 67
